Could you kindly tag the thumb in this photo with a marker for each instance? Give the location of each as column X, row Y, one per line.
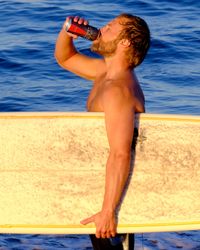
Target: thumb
column 88, row 220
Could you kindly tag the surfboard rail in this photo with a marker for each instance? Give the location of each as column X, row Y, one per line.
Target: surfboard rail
column 79, row 229
column 95, row 115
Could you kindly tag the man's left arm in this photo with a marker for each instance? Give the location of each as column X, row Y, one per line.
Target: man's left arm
column 119, row 118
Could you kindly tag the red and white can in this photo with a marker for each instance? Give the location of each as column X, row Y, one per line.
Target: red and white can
column 86, row 31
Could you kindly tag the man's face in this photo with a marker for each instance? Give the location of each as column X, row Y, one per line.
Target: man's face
column 106, row 44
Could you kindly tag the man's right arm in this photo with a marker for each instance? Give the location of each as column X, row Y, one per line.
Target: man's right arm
column 69, row 58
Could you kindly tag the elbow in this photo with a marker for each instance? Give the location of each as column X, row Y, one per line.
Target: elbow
column 119, row 162
column 62, row 59
column 121, row 156
column 60, row 56
column 56, row 56
column 59, row 60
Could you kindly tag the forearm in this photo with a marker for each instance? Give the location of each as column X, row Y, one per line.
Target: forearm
column 117, row 171
column 64, row 47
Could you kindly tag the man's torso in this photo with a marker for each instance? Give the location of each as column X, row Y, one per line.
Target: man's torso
column 127, row 82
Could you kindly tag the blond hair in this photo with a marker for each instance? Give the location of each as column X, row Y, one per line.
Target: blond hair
column 137, row 32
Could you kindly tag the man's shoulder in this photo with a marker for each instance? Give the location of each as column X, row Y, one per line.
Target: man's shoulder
column 116, row 92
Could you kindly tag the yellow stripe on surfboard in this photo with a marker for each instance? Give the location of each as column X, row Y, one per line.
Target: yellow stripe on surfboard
column 88, row 229
column 94, row 115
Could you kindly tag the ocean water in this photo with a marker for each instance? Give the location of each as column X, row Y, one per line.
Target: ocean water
column 31, row 80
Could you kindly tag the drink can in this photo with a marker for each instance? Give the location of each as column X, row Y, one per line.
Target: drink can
column 86, row 31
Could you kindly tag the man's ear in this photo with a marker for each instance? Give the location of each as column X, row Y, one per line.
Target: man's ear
column 125, row 42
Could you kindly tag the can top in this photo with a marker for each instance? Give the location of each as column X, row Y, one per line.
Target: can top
column 68, row 24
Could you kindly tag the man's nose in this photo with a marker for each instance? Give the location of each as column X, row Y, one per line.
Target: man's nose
column 104, row 28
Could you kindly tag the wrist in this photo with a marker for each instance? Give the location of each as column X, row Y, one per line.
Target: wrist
column 108, row 211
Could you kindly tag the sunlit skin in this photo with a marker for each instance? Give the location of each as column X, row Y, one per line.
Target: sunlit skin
column 117, row 93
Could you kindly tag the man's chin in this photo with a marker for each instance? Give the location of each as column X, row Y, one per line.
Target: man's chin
column 98, row 49
column 94, row 48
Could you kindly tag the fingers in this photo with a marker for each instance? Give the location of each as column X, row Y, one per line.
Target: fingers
column 80, row 20
column 105, row 233
column 104, row 228
column 98, row 234
column 77, row 19
column 113, row 233
column 88, row 220
column 102, row 234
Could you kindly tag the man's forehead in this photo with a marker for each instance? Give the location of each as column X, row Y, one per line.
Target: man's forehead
column 115, row 21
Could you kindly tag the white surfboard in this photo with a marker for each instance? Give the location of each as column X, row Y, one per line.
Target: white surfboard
column 52, row 173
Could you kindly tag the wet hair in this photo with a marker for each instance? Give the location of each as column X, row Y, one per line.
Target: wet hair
column 136, row 30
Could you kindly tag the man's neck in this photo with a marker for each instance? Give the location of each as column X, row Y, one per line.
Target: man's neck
column 116, row 65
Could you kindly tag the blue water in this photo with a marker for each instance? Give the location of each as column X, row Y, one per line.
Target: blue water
column 31, row 80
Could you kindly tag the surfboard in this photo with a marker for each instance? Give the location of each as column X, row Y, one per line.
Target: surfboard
column 52, row 173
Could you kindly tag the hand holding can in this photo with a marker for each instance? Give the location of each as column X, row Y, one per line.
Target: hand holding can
column 80, row 27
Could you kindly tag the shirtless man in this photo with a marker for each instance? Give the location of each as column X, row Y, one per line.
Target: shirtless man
column 123, row 44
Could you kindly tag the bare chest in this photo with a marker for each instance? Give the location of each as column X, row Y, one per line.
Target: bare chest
column 132, row 90
column 94, row 103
